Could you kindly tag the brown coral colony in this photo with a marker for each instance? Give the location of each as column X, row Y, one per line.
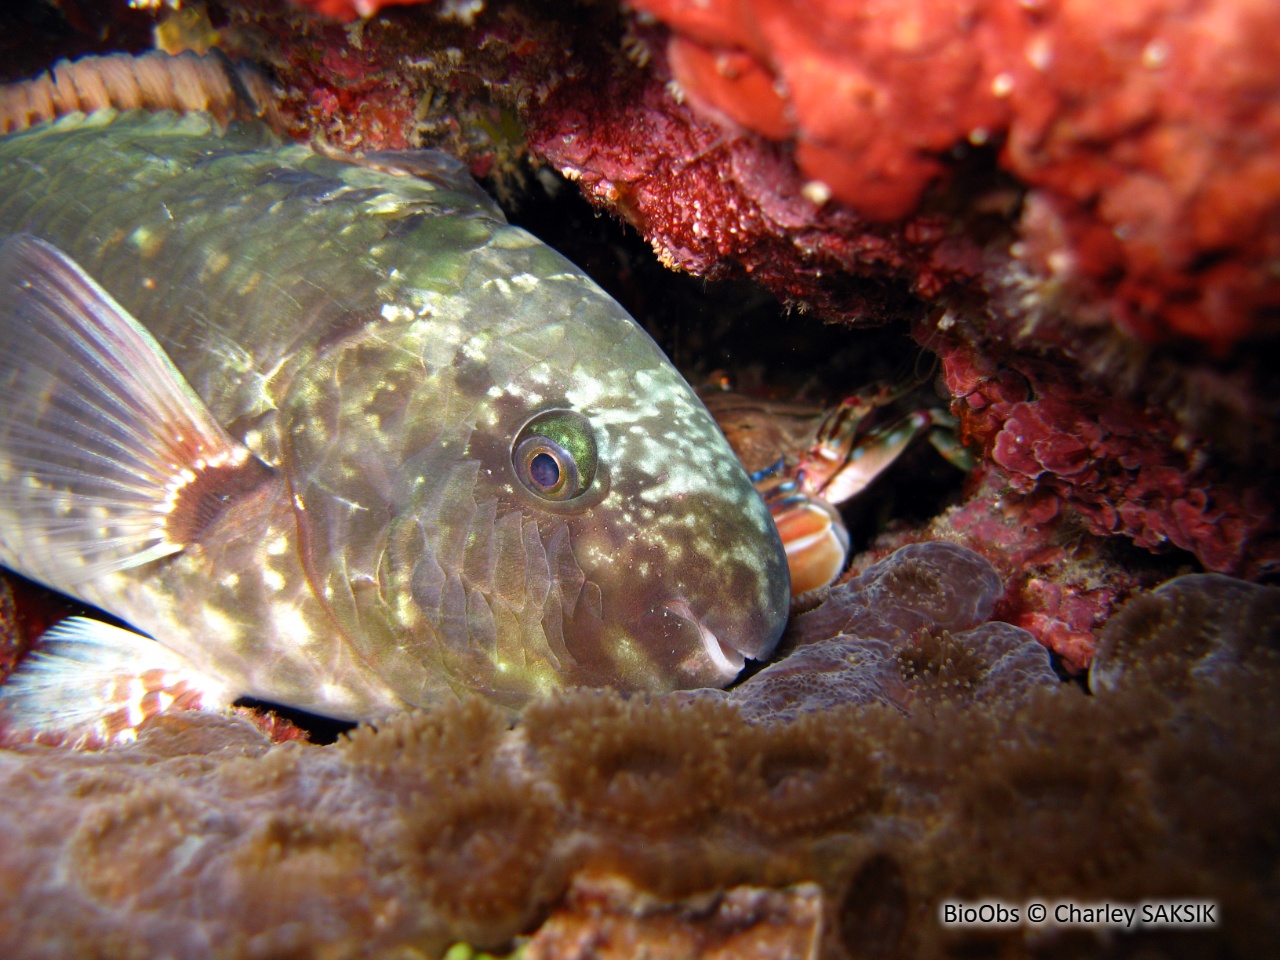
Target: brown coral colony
column 664, row 802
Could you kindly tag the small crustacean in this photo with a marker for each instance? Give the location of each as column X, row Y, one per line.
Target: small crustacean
column 807, row 461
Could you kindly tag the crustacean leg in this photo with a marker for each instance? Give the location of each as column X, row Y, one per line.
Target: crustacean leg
column 813, row 535
column 839, row 454
column 846, row 456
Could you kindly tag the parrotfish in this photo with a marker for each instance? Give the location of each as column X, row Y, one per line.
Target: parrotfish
column 334, row 435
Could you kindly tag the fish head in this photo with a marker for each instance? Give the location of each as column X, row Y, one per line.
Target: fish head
column 676, row 565
column 519, row 492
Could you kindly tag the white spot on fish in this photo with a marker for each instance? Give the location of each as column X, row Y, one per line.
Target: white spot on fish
column 290, row 623
column 220, row 625
column 395, row 313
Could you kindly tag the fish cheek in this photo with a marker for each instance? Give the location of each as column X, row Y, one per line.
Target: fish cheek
column 589, row 575
column 494, row 621
column 473, row 377
column 695, row 565
column 731, row 568
column 616, row 633
column 479, row 582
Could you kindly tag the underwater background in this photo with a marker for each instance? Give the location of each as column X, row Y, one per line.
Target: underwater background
column 1048, row 674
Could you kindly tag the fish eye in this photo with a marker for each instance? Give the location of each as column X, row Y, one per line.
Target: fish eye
column 555, row 455
column 547, row 468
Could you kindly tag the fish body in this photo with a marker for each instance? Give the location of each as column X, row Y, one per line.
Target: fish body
column 343, row 439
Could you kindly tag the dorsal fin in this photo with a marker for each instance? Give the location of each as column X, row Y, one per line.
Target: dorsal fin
column 153, row 81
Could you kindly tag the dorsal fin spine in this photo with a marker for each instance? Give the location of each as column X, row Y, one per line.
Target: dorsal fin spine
column 184, row 83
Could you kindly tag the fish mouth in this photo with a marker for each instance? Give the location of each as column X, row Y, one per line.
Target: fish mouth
column 724, row 658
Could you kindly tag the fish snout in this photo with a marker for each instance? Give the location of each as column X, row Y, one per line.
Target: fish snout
column 726, row 600
column 708, row 650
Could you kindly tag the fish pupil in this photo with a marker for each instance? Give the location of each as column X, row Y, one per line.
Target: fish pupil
column 544, row 471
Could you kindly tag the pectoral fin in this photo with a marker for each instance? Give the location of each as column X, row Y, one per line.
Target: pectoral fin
column 90, row 682
column 108, row 459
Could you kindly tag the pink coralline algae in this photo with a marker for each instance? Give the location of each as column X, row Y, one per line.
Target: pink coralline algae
column 1148, row 132
column 423, row 77
column 1060, row 584
column 835, row 76
column 1063, row 607
column 1123, row 468
column 718, row 205
column 339, row 91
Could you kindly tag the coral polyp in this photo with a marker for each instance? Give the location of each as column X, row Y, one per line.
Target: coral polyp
column 1092, row 111
column 798, row 777
column 627, row 762
column 481, row 853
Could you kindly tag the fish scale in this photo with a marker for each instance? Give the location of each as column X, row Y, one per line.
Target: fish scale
column 365, row 354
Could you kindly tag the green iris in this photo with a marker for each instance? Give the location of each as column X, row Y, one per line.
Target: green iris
column 555, row 455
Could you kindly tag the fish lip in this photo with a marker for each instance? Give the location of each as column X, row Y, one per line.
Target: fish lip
column 727, row 659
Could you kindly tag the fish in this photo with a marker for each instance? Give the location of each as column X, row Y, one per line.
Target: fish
column 328, row 432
